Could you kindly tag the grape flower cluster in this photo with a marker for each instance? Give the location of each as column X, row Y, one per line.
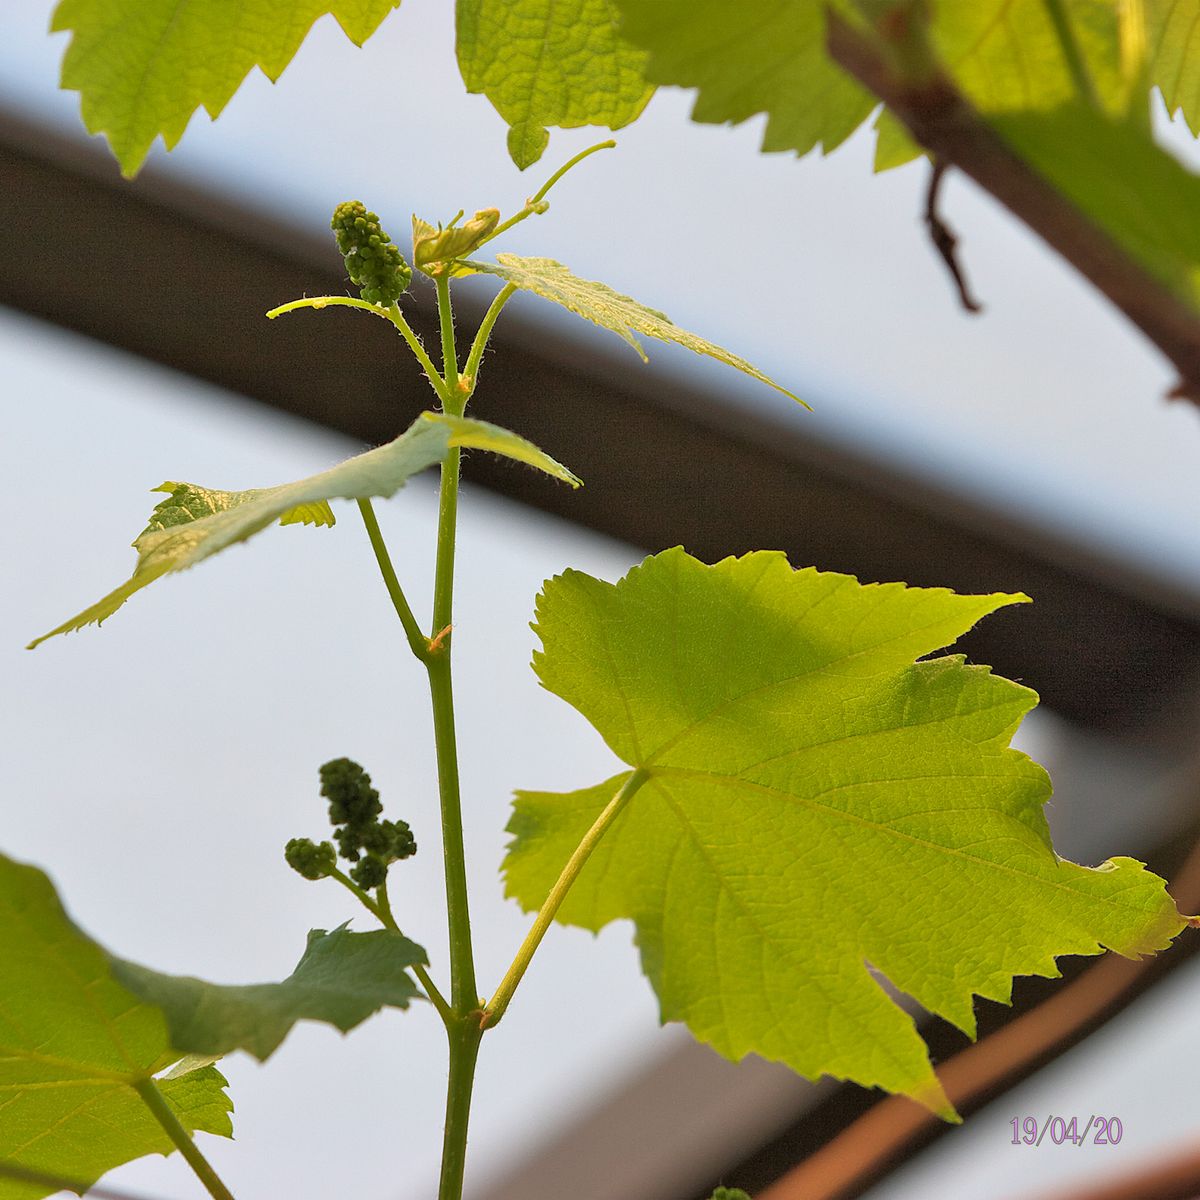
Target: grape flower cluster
column 363, row 837
column 374, row 263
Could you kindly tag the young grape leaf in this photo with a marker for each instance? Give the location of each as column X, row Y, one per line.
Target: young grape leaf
column 143, row 67
column 549, row 62
column 74, row 1045
column 176, row 538
column 817, row 806
column 187, row 502
column 598, row 303
column 342, row 979
column 432, row 245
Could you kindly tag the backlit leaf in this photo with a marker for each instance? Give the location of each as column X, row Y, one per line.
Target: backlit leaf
column 143, row 67
column 73, row 1045
column 434, row 245
column 768, row 56
column 819, row 806
column 1005, row 56
column 1136, row 192
column 757, row 56
column 549, row 62
column 1173, row 48
column 189, row 502
column 600, row 304
column 173, row 542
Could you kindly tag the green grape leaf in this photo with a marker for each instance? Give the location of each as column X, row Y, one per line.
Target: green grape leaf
column 175, row 539
column 74, row 1044
column 143, row 67
column 1128, row 186
column 1004, row 54
column 1006, row 57
column 758, row 56
column 189, row 1062
column 342, row 979
column 549, row 62
column 818, row 807
column 598, row 303
column 1173, row 44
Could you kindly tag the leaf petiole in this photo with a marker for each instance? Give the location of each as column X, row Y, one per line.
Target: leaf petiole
column 164, row 1114
column 327, row 302
column 475, row 358
column 503, row 995
column 392, row 314
column 414, row 344
column 418, row 643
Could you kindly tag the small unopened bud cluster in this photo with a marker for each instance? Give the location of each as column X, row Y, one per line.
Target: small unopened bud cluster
column 362, row 838
column 313, row 860
column 374, row 263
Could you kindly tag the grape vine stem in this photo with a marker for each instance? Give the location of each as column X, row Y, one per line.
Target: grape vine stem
column 463, row 1015
column 463, row 1028
column 418, row 643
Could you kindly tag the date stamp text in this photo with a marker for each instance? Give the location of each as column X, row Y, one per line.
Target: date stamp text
column 1096, row 1131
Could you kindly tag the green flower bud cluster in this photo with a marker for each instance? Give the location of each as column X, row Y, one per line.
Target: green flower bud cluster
column 374, row 263
column 362, row 838
column 311, row 859
column 724, row 1193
